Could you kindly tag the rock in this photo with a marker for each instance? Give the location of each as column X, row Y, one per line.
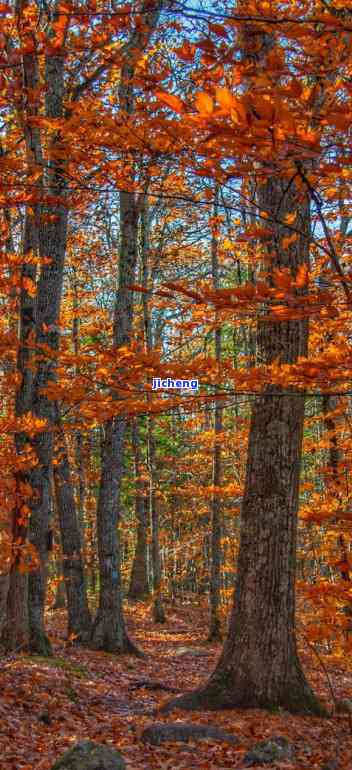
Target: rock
column 191, row 651
column 275, row 749
column 88, row 755
column 161, row 732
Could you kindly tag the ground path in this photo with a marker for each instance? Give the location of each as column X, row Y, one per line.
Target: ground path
column 46, row 705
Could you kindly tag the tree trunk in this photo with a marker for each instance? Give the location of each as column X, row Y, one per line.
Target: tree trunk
column 16, row 627
column 79, row 619
column 109, row 632
column 139, row 585
column 259, row 665
column 158, row 607
column 215, row 569
column 52, row 246
column 79, row 456
column 15, row 630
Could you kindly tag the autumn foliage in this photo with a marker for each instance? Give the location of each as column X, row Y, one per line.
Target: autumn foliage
column 143, row 148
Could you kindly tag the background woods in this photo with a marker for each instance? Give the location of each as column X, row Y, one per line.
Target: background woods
column 175, row 202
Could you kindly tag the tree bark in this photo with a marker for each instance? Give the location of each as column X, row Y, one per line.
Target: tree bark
column 158, row 606
column 109, row 632
column 259, row 664
column 52, row 246
column 79, row 619
column 139, row 584
column 215, row 567
column 15, row 632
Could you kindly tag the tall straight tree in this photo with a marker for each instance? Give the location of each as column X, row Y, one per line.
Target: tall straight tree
column 79, row 619
column 109, row 632
column 215, row 565
column 259, row 664
column 38, row 320
column 45, row 236
column 153, row 508
column 139, row 584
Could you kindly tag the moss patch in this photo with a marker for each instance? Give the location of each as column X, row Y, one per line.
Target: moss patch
column 72, row 668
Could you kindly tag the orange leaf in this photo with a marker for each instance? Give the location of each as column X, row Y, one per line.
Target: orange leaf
column 290, row 218
column 186, row 52
column 302, row 276
column 218, row 29
column 204, row 103
column 286, row 242
column 225, row 98
column 171, row 100
column 282, row 279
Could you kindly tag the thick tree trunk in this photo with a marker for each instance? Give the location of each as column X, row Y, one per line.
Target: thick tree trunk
column 259, row 665
column 79, row 619
column 139, row 584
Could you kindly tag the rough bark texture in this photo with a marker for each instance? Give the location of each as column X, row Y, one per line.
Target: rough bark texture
column 79, row 619
column 215, row 568
column 153, row 512
column 15, row 629
column 52, row 246
column 259, row 665
column 109, row 631
column 139, row 584
column 158, row 606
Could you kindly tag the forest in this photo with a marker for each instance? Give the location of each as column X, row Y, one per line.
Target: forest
column 175, row 385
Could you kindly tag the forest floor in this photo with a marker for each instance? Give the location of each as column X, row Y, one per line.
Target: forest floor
column 46, row 705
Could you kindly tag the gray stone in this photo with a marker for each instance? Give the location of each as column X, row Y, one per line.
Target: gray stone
column 191, row 651
column 182, row 732
column 276, row 749
column 88, row 755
